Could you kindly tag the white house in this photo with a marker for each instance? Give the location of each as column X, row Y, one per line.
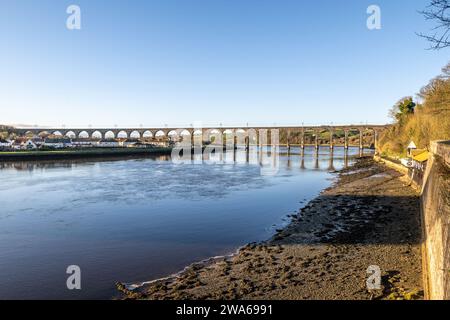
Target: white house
column 29, row 145
column 38, row 141
column 18, row 143
column 5, row 144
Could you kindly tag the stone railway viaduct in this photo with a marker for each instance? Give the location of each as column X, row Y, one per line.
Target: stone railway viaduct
column 250, row 134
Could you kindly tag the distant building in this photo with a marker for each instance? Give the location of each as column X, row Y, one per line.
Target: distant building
column 18, row 143
column 38, row 141
column 108, row 143
column 163, row 144
column 83, row 143
column 15, row 145
column 23, row 144
column 412, row 146
column 416, row 159
column 29, row 145
column 127, row 142
column 58, row 143
column 142, row 145
column 5, row 144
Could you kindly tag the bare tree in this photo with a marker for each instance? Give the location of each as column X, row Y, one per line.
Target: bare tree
column 439, row 12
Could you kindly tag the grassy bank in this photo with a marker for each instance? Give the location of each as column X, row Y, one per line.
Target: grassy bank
column 80, row 153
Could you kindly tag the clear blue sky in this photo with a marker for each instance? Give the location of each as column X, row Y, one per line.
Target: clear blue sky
column 210, row 61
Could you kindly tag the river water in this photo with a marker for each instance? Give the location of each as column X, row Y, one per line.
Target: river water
column 134, row 220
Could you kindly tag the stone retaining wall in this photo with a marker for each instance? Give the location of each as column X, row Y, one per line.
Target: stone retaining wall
column 436, row 222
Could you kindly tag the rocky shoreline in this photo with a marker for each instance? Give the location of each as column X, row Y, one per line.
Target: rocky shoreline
column 369, row 217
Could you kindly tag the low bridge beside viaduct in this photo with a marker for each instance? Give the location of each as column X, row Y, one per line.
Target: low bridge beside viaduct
column 250, row 134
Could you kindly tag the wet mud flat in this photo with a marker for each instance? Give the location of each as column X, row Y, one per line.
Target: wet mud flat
column 369, row 217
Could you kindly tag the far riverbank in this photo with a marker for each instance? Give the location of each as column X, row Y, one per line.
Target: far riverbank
column 369, row 217
column 80, row 153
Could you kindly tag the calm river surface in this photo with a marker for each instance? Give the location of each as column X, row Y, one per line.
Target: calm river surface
column 134, row 220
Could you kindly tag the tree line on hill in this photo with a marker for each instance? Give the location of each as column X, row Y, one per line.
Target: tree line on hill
column 421, row 120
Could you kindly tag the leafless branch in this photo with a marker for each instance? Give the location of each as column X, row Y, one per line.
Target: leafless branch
column 439, row 12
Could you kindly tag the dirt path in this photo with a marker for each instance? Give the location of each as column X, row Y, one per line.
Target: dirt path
column 369, row 217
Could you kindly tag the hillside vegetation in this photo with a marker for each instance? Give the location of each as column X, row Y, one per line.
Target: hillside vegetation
column 422, row 121
column 5, row 131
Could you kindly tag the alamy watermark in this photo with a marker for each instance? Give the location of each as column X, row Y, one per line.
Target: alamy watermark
column 73, row 282
column 73, row 21
column 374, row 19
column 374, row 280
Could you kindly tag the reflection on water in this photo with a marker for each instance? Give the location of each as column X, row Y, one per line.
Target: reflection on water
column 252, row 156
column 138, row 219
